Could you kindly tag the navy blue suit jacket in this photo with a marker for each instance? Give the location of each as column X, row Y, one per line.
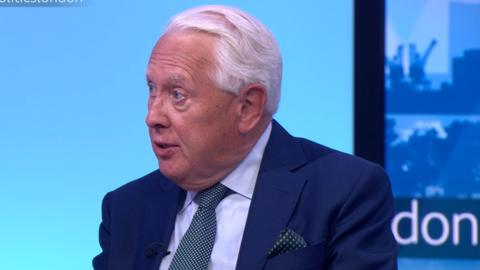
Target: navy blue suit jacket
column 341, row 205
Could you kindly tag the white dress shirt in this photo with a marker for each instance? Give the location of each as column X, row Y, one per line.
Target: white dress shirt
column 231, row 212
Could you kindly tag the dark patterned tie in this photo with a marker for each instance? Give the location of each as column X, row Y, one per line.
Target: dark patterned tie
column 195, row 248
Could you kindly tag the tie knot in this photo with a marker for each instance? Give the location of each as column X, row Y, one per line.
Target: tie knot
column 211, row 197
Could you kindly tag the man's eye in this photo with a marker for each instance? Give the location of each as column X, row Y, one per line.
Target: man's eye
column 150, row 88
column 177, row 95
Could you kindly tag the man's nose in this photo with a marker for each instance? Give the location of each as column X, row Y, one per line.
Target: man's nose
column 156, row 115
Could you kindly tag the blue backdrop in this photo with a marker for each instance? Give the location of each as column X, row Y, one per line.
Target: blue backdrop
column 73, row 102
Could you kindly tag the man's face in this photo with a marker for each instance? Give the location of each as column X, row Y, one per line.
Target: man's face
column 192, row 124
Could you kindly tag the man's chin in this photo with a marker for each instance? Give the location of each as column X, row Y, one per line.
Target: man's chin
column 182, row 179
column 175, row 176
column 169, row 172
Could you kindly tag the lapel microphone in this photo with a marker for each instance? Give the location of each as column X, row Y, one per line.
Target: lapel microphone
column 156, row 248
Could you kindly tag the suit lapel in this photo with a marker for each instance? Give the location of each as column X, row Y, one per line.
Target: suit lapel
column 157, row 223
column 276, row 193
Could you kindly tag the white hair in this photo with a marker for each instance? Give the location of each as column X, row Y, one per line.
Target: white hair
column 246, row 51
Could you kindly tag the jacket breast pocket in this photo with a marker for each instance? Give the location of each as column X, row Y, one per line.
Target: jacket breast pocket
column 309, row 258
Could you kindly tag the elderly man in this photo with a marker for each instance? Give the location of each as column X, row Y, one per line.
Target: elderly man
column 234, row 190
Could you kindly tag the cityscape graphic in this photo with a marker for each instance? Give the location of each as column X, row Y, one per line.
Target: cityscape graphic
column 433, row 133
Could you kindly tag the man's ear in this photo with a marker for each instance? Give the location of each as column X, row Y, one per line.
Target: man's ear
column 253, row 100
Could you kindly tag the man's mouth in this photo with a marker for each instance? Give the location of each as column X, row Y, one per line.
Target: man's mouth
column 163, row 145
column 164, row 150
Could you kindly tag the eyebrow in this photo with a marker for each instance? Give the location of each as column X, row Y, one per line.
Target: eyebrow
column 172, row 79
column 176, row 78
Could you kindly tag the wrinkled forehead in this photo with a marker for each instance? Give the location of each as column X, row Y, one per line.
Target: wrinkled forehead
column 193, row 43
column 189, row 51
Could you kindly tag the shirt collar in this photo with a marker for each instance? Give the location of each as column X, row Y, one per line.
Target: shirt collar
column 243, row 178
